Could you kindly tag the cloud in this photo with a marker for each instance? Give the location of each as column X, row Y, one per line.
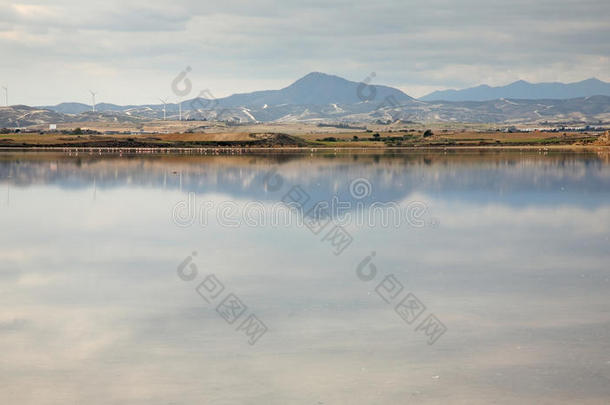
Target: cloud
column 409, row 44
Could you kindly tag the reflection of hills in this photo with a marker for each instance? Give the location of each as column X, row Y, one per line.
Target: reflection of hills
column 497, row 175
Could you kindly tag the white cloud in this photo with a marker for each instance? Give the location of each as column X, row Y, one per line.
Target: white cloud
column 411, row 44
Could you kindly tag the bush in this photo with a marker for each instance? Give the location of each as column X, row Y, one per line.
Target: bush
column 355, row 137
column 428, row 133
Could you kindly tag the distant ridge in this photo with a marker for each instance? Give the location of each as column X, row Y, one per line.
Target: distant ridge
column 314, row 88
column 524, row 90
column 78, row 108
column 323, row 98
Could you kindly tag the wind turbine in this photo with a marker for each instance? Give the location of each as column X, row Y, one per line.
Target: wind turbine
column 5, row 88
column 93, row 99
column 164, row 107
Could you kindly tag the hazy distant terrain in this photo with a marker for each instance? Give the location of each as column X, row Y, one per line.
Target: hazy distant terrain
column 318, row 98
column 524, row 90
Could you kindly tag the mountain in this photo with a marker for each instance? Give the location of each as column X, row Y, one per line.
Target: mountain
column 322, row 98
column 68, row 108
column 17, row 116
column 524, row 90
column 22, row 115
column 316, row 89
column 77, row 108
column 577, row 111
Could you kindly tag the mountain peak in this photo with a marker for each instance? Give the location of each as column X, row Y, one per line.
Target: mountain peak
column 317, row 75
column 320, row 88
column 314, row 77
column 592, row 80
column 313, row 89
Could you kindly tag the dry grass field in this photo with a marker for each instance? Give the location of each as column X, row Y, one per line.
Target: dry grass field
column 212, row 134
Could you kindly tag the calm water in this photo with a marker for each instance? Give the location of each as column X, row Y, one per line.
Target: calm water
column 508, row 251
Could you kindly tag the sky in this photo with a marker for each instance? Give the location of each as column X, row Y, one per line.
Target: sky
column 130, row 51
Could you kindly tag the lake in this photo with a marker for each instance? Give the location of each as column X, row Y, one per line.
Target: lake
column 326, row 277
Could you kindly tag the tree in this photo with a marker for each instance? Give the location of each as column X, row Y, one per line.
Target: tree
column 428, row 133
column 355, row 138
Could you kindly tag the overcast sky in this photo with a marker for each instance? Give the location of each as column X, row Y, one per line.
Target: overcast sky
column 129, row 51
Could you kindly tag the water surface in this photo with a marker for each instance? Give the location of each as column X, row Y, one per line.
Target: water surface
column 509, row 251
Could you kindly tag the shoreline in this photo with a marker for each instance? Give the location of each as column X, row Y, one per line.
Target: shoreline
column 308, row 149
column 269, row 141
